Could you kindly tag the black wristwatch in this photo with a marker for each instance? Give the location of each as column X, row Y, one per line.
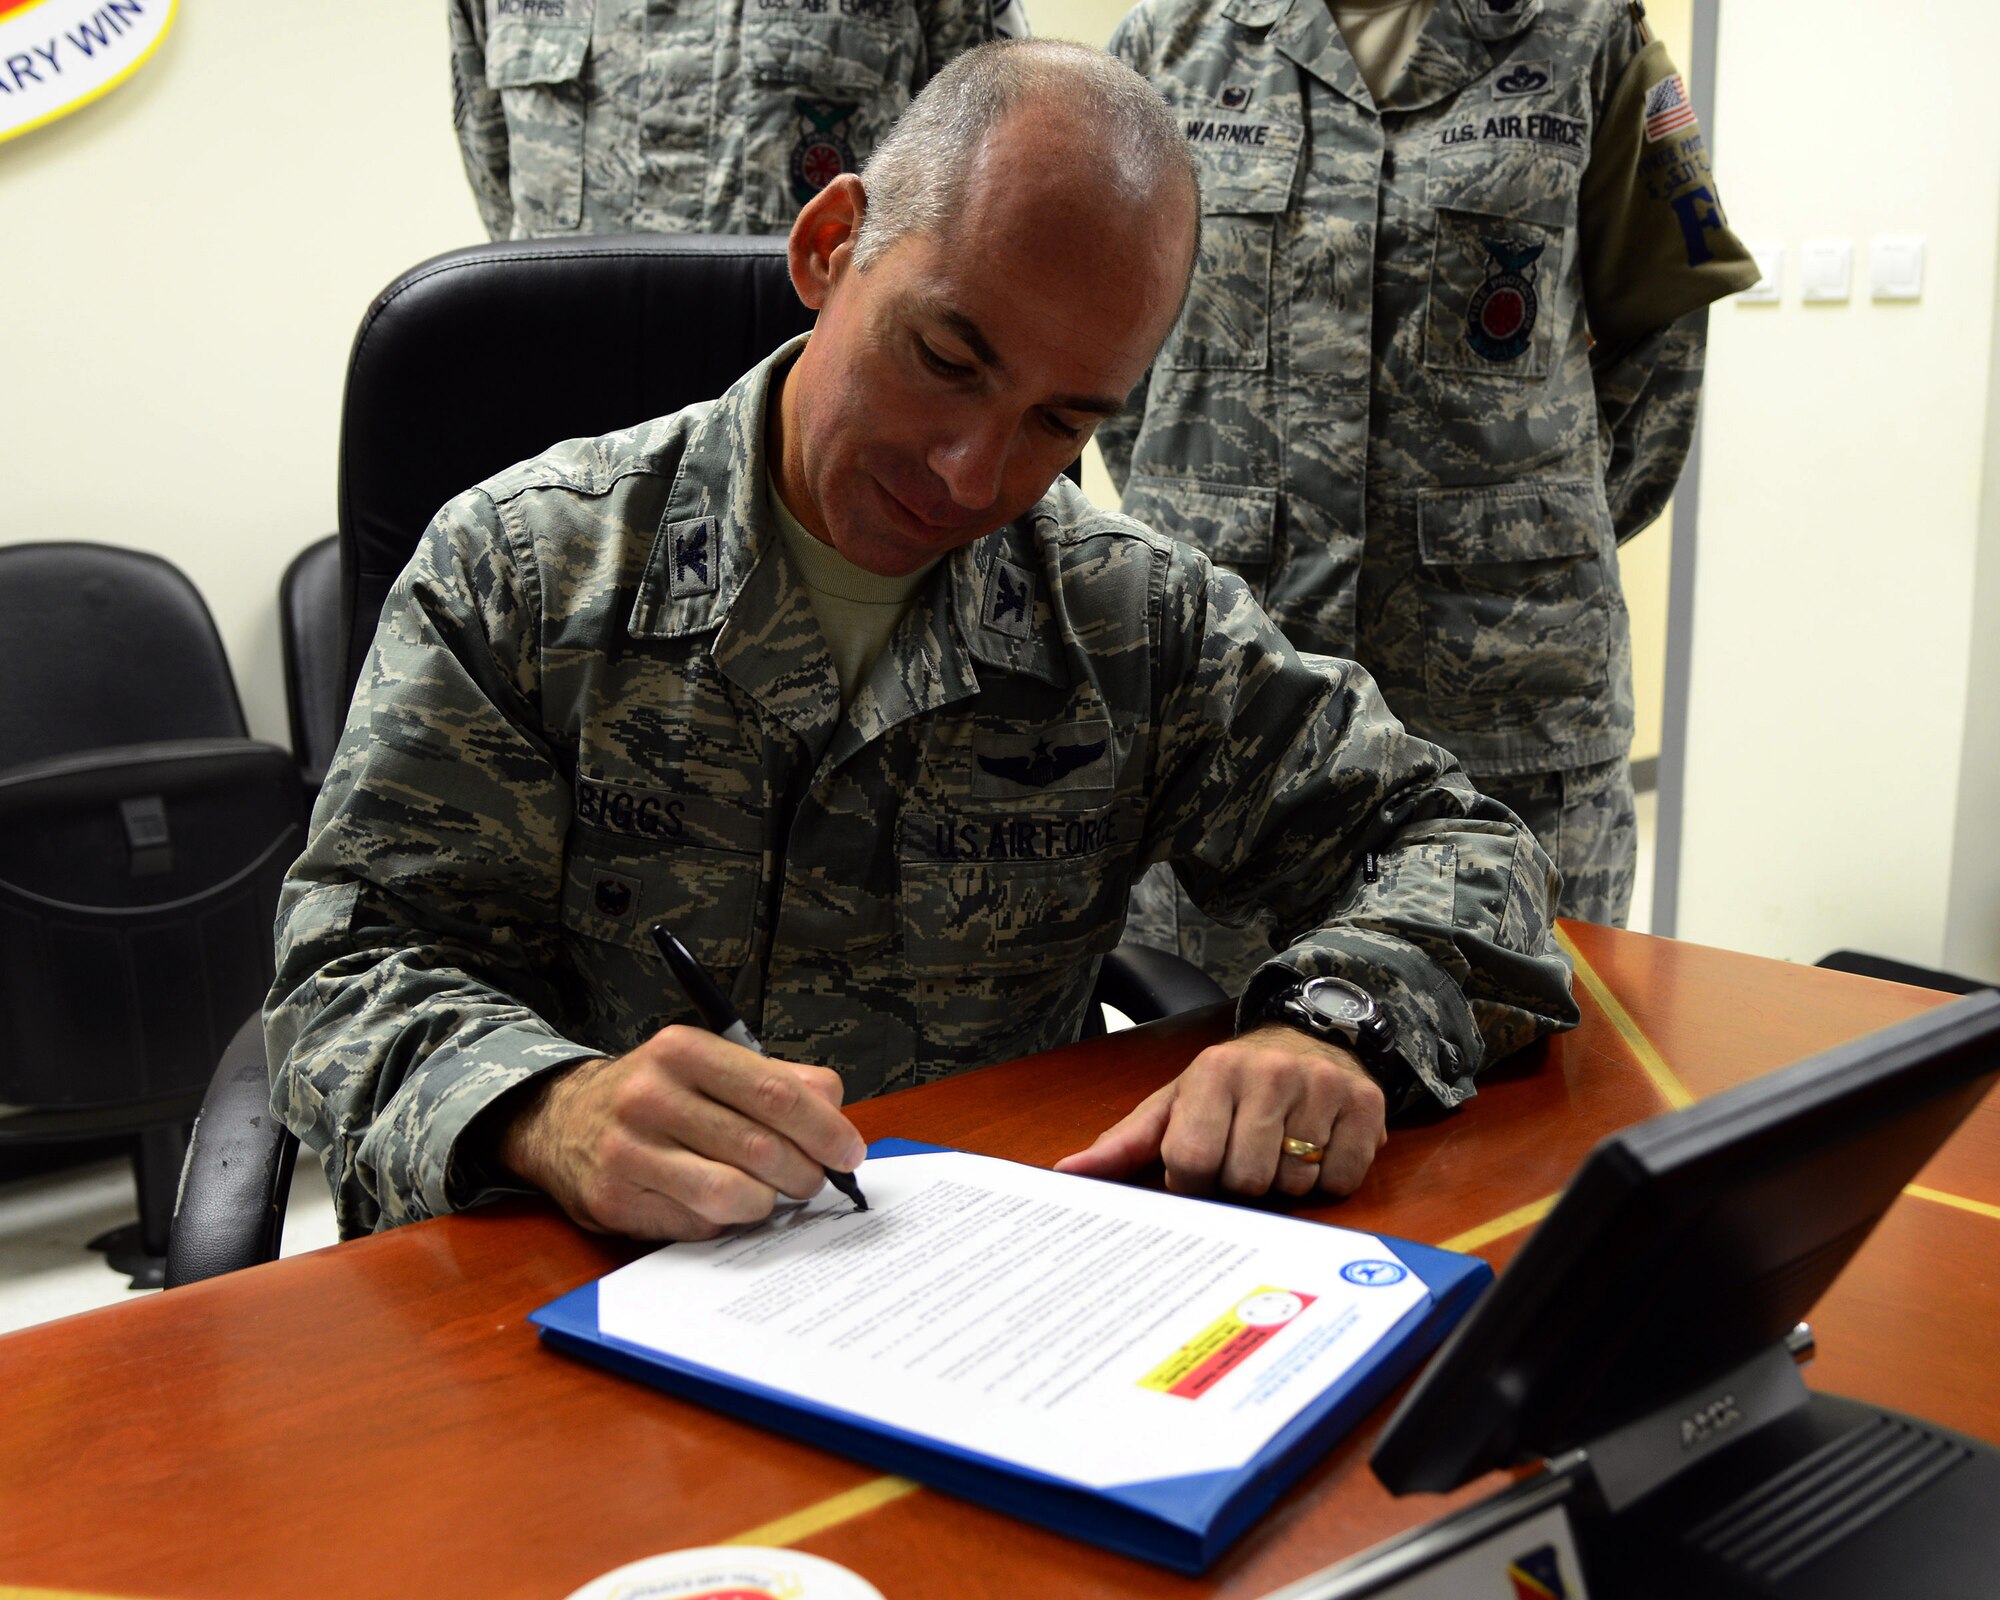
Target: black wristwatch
column 1346, row 1014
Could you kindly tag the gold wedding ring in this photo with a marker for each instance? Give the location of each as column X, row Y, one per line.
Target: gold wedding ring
column 1305, row 1149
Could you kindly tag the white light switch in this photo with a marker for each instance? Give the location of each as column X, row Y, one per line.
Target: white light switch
column 1896, row 267
column 1826, row 269
column 1769, row 288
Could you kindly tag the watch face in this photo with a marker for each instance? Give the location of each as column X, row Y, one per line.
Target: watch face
column 1338, row 1002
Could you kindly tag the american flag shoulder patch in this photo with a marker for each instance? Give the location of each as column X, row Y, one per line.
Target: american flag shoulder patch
column 1668, row 109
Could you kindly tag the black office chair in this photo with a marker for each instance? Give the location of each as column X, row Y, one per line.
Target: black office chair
column 462, row 366
column 1893, row 971
column 143, row 839
column 309, row 630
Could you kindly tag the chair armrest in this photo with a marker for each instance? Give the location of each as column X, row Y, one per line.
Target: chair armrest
column 1147, row 984
column 230, row 1212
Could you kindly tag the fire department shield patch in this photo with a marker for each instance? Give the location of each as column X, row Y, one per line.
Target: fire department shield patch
column 822, row 151
column 1500, row 321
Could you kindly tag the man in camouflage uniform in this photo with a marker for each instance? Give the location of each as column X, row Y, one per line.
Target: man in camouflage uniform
column 686, row 116
column 603, row 695
column 1442, row 352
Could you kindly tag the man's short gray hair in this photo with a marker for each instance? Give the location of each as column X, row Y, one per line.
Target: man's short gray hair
column 915, row 181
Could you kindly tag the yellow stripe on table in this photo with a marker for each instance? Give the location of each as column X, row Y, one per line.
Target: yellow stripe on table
column 828, row 1513
column 1672, row 1090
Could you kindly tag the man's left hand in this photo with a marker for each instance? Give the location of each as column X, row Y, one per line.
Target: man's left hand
column 1224, row 1121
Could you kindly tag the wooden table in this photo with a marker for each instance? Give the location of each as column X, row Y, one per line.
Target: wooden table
column 378, row 1419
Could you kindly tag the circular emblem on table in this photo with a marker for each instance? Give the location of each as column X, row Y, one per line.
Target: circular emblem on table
column 730, row 1572
column 1374, row 1274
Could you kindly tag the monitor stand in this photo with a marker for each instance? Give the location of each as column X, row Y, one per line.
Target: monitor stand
column 1756, row 1486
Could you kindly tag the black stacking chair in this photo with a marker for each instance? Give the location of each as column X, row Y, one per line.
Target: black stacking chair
column 143, row 839
column 309, row 629
column 462, row 366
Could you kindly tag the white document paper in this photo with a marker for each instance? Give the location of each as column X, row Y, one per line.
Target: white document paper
column 1097, row 1333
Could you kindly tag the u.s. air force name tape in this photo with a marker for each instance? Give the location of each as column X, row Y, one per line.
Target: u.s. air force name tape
column 57, row 55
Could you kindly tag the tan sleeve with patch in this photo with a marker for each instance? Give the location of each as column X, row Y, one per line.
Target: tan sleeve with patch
column 1656, row 244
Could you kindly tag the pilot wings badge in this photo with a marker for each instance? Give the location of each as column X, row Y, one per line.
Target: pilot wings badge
column 1045, row 764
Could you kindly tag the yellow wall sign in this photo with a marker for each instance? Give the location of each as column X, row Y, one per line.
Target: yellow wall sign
column 56, row 55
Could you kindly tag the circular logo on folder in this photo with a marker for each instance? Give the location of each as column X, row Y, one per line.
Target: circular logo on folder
column 1374, row 1274
column 1269, row 1308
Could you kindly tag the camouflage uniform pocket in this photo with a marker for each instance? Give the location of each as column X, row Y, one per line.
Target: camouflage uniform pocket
column 1235, row 526
column 1011, row 890
column 1004, row 953
column 1416, row 883
column 824, row 86
column 616, row 989
column 536, row 64
column 708, row 899
column 1226, row 324
column 1497, row 264
column 1516, row 604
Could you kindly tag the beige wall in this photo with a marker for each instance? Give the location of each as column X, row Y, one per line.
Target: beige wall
column 1972, row 916
column 1645, row 558
column 1087, row 22
column 1836, row 608
column 186, row 263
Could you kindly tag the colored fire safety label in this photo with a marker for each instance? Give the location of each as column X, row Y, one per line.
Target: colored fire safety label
column 1226, row 1343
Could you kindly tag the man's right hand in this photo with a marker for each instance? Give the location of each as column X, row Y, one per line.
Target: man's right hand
column 682, row 1138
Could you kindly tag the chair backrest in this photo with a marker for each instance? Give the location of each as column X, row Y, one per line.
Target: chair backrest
column 143, row 834
column 484, row 357
column 105, row 646
column 316, row 688
column 463, row 366
column 137, row 889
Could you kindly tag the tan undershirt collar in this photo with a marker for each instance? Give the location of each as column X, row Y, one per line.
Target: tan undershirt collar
column 1380, row 35
column 857, row 609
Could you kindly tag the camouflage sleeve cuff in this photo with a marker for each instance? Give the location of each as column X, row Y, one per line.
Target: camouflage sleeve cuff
column 423, row 1157
column 1436, row 1035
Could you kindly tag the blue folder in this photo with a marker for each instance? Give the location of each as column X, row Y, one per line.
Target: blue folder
column 1183, row 1523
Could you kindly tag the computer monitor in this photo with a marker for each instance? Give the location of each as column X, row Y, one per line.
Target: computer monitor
column 1668, row 1278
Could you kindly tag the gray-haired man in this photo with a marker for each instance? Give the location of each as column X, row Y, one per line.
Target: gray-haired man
column 895, row 721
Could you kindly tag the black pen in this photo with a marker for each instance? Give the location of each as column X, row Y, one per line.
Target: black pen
column 720, row 1018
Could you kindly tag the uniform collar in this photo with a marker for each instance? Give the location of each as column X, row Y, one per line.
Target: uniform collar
column 1450, row 52
column 1304, row 31
column 1453, row 49
column 1495, row 19
column 718, row 562
column 716, row 530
